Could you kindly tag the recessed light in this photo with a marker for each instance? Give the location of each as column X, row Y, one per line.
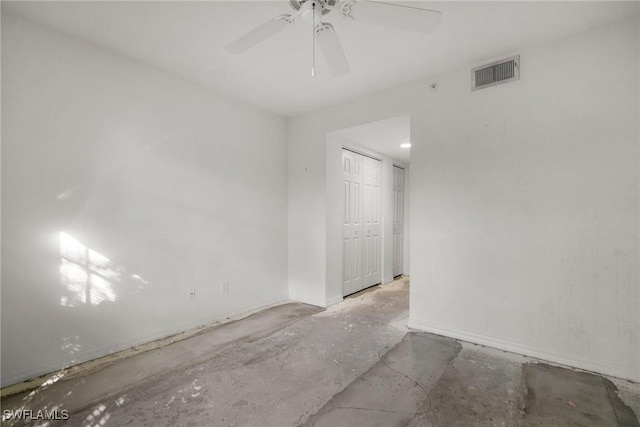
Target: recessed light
column 405, row 145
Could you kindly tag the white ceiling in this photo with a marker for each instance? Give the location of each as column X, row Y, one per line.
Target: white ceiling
column 188, row 39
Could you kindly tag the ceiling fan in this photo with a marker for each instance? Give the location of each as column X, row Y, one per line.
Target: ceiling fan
column 407, row 18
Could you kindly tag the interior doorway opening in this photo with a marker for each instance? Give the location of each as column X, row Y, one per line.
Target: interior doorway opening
column 367, row 204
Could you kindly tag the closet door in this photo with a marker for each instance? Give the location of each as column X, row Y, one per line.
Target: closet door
column 352, row 223
column 362, row 229
column 372, row 218
column 398, row 220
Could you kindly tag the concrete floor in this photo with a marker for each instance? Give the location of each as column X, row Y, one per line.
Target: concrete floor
column 353, row 364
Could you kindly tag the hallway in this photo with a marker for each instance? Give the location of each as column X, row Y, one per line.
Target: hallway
column 355, row 363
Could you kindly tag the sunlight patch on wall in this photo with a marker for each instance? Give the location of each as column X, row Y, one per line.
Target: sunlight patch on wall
column 71, row 345
column 87, row 275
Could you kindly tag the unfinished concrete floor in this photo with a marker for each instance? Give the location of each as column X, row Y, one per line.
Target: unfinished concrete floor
column 354, row 364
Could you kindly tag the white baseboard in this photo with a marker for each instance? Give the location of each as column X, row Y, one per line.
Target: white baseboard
column 334, row 300
column 297, row 298
column 627, row 373
column 86, row 356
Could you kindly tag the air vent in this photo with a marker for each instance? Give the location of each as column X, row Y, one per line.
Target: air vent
column 503, row 71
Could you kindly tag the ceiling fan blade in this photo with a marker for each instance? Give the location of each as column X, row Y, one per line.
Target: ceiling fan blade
column 264, row 31
column 407, row 18
column 332, row 49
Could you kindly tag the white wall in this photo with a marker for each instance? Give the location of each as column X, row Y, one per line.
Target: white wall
column 529, row 195
column 177, row 186
column 524, row 202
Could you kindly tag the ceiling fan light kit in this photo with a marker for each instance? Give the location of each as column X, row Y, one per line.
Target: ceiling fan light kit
column 308, row 11
column 407, row 18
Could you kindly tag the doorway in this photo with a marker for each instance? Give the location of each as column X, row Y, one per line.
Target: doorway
column 383, row 141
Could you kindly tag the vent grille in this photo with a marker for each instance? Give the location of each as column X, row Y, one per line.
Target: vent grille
column 496, row 73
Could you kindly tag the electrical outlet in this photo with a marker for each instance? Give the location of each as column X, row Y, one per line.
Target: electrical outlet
column 191, row 293
column 224, row 287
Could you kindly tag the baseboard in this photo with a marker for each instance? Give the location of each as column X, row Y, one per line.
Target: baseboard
column 310, row 301
column 553, row 357
column 334, row 300
column 59, row 364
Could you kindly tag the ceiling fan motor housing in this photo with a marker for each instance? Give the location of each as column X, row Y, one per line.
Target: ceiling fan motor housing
column 298, row 4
